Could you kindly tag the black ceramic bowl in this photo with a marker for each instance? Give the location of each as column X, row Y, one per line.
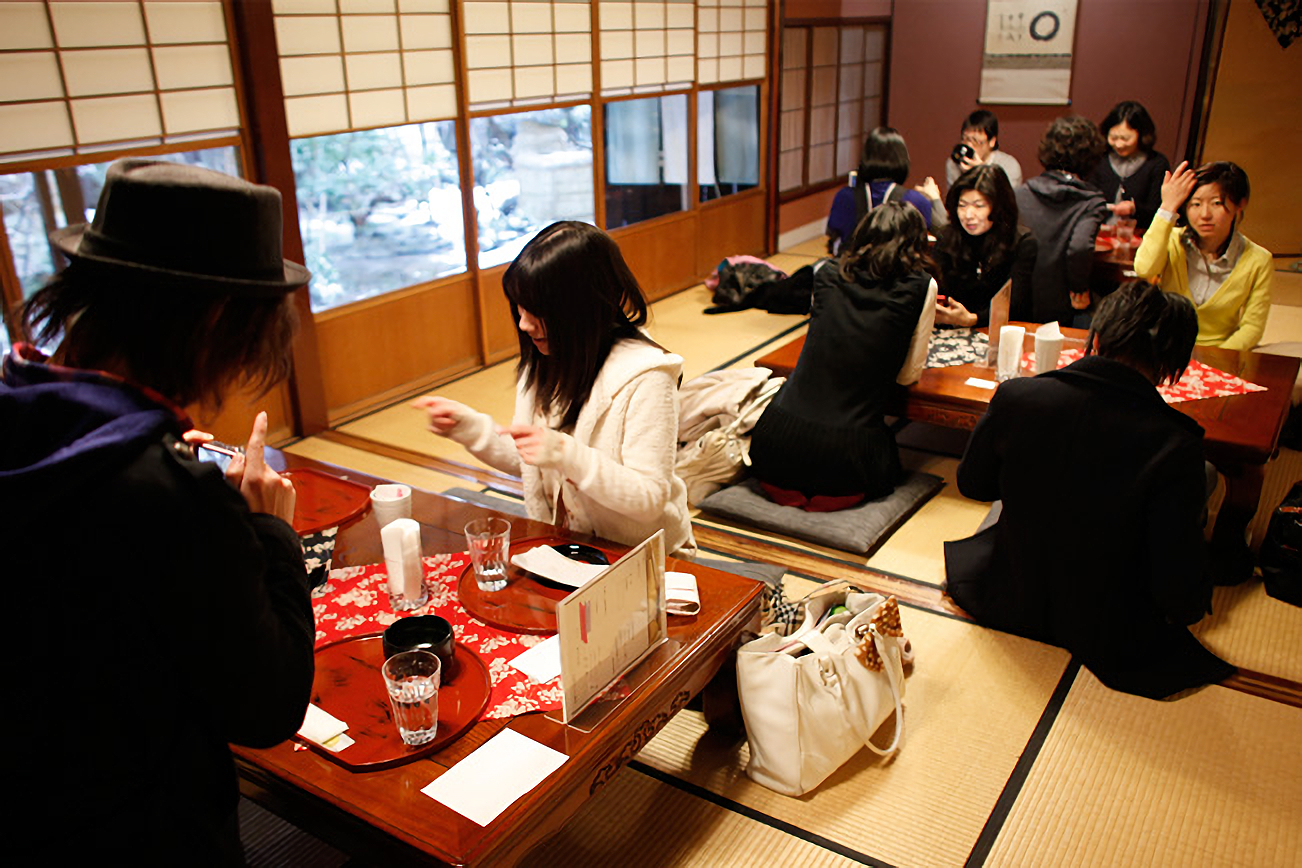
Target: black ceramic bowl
column 583, row 554
column 425, row 633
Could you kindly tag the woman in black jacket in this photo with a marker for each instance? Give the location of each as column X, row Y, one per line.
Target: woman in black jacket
column 982, row 248
column 1130, row 174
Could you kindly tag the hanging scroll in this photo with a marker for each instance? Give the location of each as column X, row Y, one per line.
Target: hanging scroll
column 1028, row 49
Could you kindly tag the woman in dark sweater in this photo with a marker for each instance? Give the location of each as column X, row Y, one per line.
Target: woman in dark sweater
column 982, row 248
column 822, row 443
column 1130, row 175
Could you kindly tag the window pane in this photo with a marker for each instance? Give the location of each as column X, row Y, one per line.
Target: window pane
column 646, row 159
column 37, row 203
column 379, row 210
column 727, row 138
column 531, row 169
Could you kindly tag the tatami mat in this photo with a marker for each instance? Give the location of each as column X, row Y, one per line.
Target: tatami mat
column 376, row 465
column 1211, row 779
column 916, row 549
column 637, row 821
column 1250, row 629
column 971, row 704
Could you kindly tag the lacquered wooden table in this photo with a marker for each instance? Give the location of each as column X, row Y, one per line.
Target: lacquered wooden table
column 383, row 818
column 1242, row 431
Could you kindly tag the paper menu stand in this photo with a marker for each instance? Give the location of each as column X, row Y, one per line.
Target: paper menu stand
column 608, row 627
column 998, row 319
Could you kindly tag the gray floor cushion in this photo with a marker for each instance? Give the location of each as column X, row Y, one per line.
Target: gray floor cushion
column 853, row 530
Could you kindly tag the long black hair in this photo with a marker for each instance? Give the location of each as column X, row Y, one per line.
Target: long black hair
column 885, row 157
column 573, row 278
column 1150, row 330
column 890, row 242
column 962, row 253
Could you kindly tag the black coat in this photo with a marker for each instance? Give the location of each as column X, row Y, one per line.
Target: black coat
column 1144, row 186
column 1064, row 212
column 154, row 619
column 974, row 290
column 1099, row 548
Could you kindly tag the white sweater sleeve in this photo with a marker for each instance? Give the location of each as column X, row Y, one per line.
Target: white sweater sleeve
column 640, row 484
column 478, row 433
column 916, row 360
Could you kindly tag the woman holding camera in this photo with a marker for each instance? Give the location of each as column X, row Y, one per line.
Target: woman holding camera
column 595, row 432
column 822, row 443
column 982, row 248
column 175, row 616
column 1130, row 175
column 1208, row 260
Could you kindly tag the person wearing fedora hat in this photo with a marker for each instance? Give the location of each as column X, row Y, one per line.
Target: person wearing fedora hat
column 176, row 616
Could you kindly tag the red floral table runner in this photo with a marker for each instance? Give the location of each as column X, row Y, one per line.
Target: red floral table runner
column 1199, row 381
column 355, row 601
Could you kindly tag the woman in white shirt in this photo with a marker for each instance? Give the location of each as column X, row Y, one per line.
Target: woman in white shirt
column 595, row 429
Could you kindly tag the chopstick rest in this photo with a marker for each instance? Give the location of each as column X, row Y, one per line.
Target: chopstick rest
column 323, row 728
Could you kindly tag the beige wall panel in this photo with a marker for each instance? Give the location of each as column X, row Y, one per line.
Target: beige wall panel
column 394, row 344
column 499, row 329
column 662, row 253
column 1254, row 122
column 734, row 225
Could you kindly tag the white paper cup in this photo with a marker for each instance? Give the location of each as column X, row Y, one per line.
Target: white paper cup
column 1047, row 352
column 1010, row 352
column 390, row 502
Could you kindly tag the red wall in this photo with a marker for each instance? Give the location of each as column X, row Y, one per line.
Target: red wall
column 1147, row 50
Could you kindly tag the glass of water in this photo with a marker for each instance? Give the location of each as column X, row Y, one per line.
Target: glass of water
column 489, row 541
column 412, row 680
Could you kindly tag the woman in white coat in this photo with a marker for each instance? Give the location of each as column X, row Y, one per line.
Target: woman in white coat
column 594, row 435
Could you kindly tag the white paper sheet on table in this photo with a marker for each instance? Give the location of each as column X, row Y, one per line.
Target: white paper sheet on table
column 545, row 561
column 542, row 662
column 501, row 770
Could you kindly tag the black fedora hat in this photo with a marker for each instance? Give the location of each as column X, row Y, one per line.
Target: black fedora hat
column 172, row 222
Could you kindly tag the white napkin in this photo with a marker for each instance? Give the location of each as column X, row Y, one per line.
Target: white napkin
column 323, row 728
column 401, row 539
column 681, row 596
column 542, row 662
column 545, row 561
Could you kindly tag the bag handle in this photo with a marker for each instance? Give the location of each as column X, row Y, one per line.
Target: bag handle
column 891, row 664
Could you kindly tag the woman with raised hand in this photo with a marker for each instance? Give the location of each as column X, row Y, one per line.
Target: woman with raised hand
column 595, row 430
column 822, row 443
column 173, row 613
column 982, row 248
column 1207, row 259
column 883, row 168
column 1130, row 174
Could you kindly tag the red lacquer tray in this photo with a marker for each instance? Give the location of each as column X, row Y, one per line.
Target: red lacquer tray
column 348, row 684
column 325, row 501
column 527, row 604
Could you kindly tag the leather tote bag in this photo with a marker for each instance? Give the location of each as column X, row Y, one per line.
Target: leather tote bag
column 811, row 700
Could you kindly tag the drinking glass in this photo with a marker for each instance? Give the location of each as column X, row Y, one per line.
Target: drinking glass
column 489, row 539
column 412, row 681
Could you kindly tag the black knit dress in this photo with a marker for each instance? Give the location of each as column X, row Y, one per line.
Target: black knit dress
column 824, row 432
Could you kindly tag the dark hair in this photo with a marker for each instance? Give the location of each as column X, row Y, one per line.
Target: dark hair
column 1071, row 144
column 1150, row 330
column 962, row 252
column 1228, row 177
column 1135, row 116
column 985, row 121
column 191, row 345
column 889, row 242
column 885, row 157
column 573, row 278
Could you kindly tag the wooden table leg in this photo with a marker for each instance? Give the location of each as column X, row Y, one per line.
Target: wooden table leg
column 1232, row 558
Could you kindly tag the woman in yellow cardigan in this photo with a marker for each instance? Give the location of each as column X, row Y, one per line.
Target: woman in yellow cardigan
column 1207, row 260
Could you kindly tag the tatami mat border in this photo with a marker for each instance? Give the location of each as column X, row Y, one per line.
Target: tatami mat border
column 761, row 345
column 758, row 816
column 1016, row 780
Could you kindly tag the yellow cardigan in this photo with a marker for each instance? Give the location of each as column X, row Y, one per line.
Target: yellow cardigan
column 1235, row 316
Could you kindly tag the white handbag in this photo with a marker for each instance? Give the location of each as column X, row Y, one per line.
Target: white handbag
column 811, row 700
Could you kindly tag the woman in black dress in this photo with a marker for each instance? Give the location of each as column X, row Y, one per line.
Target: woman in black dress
column 982, row 248
column 822, row 443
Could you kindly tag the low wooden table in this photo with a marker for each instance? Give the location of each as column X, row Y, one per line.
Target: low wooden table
column 384, row 818
column 1242, row 431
